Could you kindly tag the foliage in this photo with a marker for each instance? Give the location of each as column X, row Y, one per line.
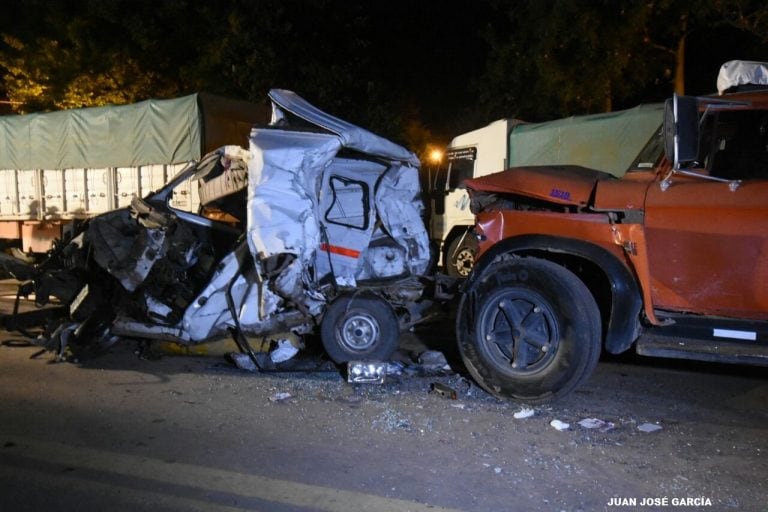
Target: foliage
column 411, row 71
column 556, row 58
column 119, row 51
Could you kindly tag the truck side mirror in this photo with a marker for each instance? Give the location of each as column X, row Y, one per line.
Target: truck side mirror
column 681, row 130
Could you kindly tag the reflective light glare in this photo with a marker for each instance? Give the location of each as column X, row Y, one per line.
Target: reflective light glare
column 367, row 372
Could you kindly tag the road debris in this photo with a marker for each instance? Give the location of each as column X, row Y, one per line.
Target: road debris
column 280, row 397
column 285, row 350
column 649, row 427
column 559, row 425
column 432, row 360
column 523, row 413
column 596, row 423
column 366, row 372
column 395, row 368
column 243, row 361
column 443, row 390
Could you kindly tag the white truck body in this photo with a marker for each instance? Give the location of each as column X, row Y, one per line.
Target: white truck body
column 36, row 203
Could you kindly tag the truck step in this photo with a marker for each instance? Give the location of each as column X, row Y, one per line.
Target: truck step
column 710, row 327
column 713, row 350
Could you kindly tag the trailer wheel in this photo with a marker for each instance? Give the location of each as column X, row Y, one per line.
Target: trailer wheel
column 359, row 327
column 528, row 329
column 460, row 256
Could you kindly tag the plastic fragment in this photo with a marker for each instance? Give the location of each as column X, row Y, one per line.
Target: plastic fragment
column 559, row 425
column 523, row 413
column 592, row 423
column 649, row 427
column 279, row 397
column 284, row 351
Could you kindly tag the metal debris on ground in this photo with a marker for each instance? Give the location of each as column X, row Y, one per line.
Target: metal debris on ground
column 285, row 350
column 596, row 423
column 649, row 427
column 559, row 425
column 523, row 413
column 443, row 390
column 279, row 397
column 395, row 368
column 366, row 372
column 243, row 361
column 433, row 360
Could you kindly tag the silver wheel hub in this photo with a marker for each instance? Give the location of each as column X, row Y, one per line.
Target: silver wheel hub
column 359, row 332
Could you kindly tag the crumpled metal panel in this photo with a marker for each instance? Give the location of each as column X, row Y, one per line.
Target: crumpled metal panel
column 123, row 249
column 232, row 179
column 316, row 220
column 351, row 136
column 401, row 211
column 348, row 217
column 562, row 184
column 283, row 182
column 306, row 200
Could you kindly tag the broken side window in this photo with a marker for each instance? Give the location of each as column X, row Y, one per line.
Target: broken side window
column 350, row 203
column 739, row 142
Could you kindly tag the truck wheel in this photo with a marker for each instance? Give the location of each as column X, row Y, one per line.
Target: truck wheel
column 359, row 327
column 528, row 329
column 460, row 256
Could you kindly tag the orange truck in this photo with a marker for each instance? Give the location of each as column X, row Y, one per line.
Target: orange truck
column 671, row 258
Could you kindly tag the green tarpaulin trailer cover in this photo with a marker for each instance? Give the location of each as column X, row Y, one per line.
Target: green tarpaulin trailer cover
column 607, row 142
column 150, row 132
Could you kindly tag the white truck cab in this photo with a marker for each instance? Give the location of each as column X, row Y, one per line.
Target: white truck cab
column 469, row 155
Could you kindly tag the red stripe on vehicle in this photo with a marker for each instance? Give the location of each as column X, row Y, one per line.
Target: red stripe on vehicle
column 342, row 251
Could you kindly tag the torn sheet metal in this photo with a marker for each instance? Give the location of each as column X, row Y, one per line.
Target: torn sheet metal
column 285, row 227
column 351, row 136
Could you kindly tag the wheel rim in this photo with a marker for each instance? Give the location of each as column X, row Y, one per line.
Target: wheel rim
column 358, row 332
column 464, row 261
column 517, row 329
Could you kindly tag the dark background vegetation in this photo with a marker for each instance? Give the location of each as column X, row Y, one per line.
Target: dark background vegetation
column 418, row 71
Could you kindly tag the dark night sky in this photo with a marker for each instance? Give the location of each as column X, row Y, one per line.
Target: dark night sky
column 427, row 56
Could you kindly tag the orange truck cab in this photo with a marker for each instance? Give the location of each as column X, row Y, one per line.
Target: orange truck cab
column 671, row 258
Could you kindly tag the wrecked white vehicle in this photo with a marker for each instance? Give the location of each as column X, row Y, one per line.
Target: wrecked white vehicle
column 317, row 225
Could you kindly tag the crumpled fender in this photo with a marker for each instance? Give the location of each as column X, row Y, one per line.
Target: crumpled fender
column 560, row 184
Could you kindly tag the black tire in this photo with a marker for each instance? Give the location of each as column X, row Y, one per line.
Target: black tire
column 528, row 329
column 459, row 258
column 359, row 327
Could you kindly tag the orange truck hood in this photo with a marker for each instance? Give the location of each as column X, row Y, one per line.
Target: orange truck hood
column 561, row 184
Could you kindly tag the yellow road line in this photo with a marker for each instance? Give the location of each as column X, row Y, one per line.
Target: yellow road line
column 63, row 483
column 213, row 479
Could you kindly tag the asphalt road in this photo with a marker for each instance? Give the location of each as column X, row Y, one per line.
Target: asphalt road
column 120, row 432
